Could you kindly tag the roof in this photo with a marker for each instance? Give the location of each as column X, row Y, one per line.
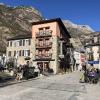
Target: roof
column 53, row 20
column 18, row 37
column 90, row 45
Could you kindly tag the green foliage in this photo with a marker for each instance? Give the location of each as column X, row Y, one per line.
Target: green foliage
column 10, row 64
column 27, row 58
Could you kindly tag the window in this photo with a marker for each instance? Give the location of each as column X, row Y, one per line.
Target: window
column 20, row 43
column 40, row 52
column 95, row 39
column 92, row 40
column 26, row 52
column 9, row 53
column 47, row 42
column 47, row 28
column 10, row 43
column 14, row 53
column 20, row 53
column 91, row 58
column 17, row 53
column 17, row 43
column 28, row 41
column 40, row 42
column 47, row 53
column 14, row 44
column 98, row 39
column 40, row 29
column 23, row 42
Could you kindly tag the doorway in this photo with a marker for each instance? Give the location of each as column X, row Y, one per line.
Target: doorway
column 43, row 66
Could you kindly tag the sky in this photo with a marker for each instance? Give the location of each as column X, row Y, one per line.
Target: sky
column 78, row 11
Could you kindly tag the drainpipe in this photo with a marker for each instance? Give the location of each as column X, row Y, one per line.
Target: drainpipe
column 61, row 47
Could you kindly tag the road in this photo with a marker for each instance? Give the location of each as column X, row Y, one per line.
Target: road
column 57, row 87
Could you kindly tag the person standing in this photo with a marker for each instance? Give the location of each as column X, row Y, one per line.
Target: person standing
column 74, row 64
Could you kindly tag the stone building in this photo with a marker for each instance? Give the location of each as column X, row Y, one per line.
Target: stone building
column 93, row 50
column 19, row 48
column 78, row 53
column 47, row 47
column 51, row 45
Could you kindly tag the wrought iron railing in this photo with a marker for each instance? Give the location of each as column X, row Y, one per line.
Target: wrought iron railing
column 44, row 45
column 44, row 33
column 44, row 56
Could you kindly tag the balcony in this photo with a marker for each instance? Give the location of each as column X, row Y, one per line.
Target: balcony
column 43, row 56
column 95, row 41
column 44, row 34
column 44, row 46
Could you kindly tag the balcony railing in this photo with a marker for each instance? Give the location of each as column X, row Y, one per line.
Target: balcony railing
column 44, row 33
column 45, row 45
column 44, row 56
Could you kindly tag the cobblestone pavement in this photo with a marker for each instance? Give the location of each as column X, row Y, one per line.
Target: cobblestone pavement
column 57, row 87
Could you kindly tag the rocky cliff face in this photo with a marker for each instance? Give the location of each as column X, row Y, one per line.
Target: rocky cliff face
column 80, row 31
column 16, row 20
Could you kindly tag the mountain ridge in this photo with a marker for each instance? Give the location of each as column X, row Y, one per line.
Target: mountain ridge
column 17, row 20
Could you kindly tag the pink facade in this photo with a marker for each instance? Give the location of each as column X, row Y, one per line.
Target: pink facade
column 48, row 38
column 53, row 26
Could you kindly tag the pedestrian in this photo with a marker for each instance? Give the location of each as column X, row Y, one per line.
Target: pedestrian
column 82, row 75
column 19, row 73
column 74, row 63
column 25, row 71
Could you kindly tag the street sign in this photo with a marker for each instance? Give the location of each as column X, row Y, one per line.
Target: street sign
column 93, row 62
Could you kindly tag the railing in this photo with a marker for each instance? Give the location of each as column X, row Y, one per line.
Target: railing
column 45, row 45
column 44, row 33
column 44, row 56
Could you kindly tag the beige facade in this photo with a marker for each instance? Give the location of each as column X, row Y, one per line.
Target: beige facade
column 19, row 49
column 93, row 50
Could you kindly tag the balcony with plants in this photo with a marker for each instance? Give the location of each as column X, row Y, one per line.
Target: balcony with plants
column 43, row 56
column 47, row 33
column 44, row 45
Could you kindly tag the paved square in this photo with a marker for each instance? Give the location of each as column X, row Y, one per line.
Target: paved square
column 58, row 87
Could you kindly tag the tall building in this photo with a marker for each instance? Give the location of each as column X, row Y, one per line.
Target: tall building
column 51, row 45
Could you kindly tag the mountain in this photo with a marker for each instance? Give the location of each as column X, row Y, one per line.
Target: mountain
column 16, row 20
column 78, row 31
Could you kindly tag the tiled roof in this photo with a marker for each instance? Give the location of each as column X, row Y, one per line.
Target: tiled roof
column 25, row 36
column 53, row 20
